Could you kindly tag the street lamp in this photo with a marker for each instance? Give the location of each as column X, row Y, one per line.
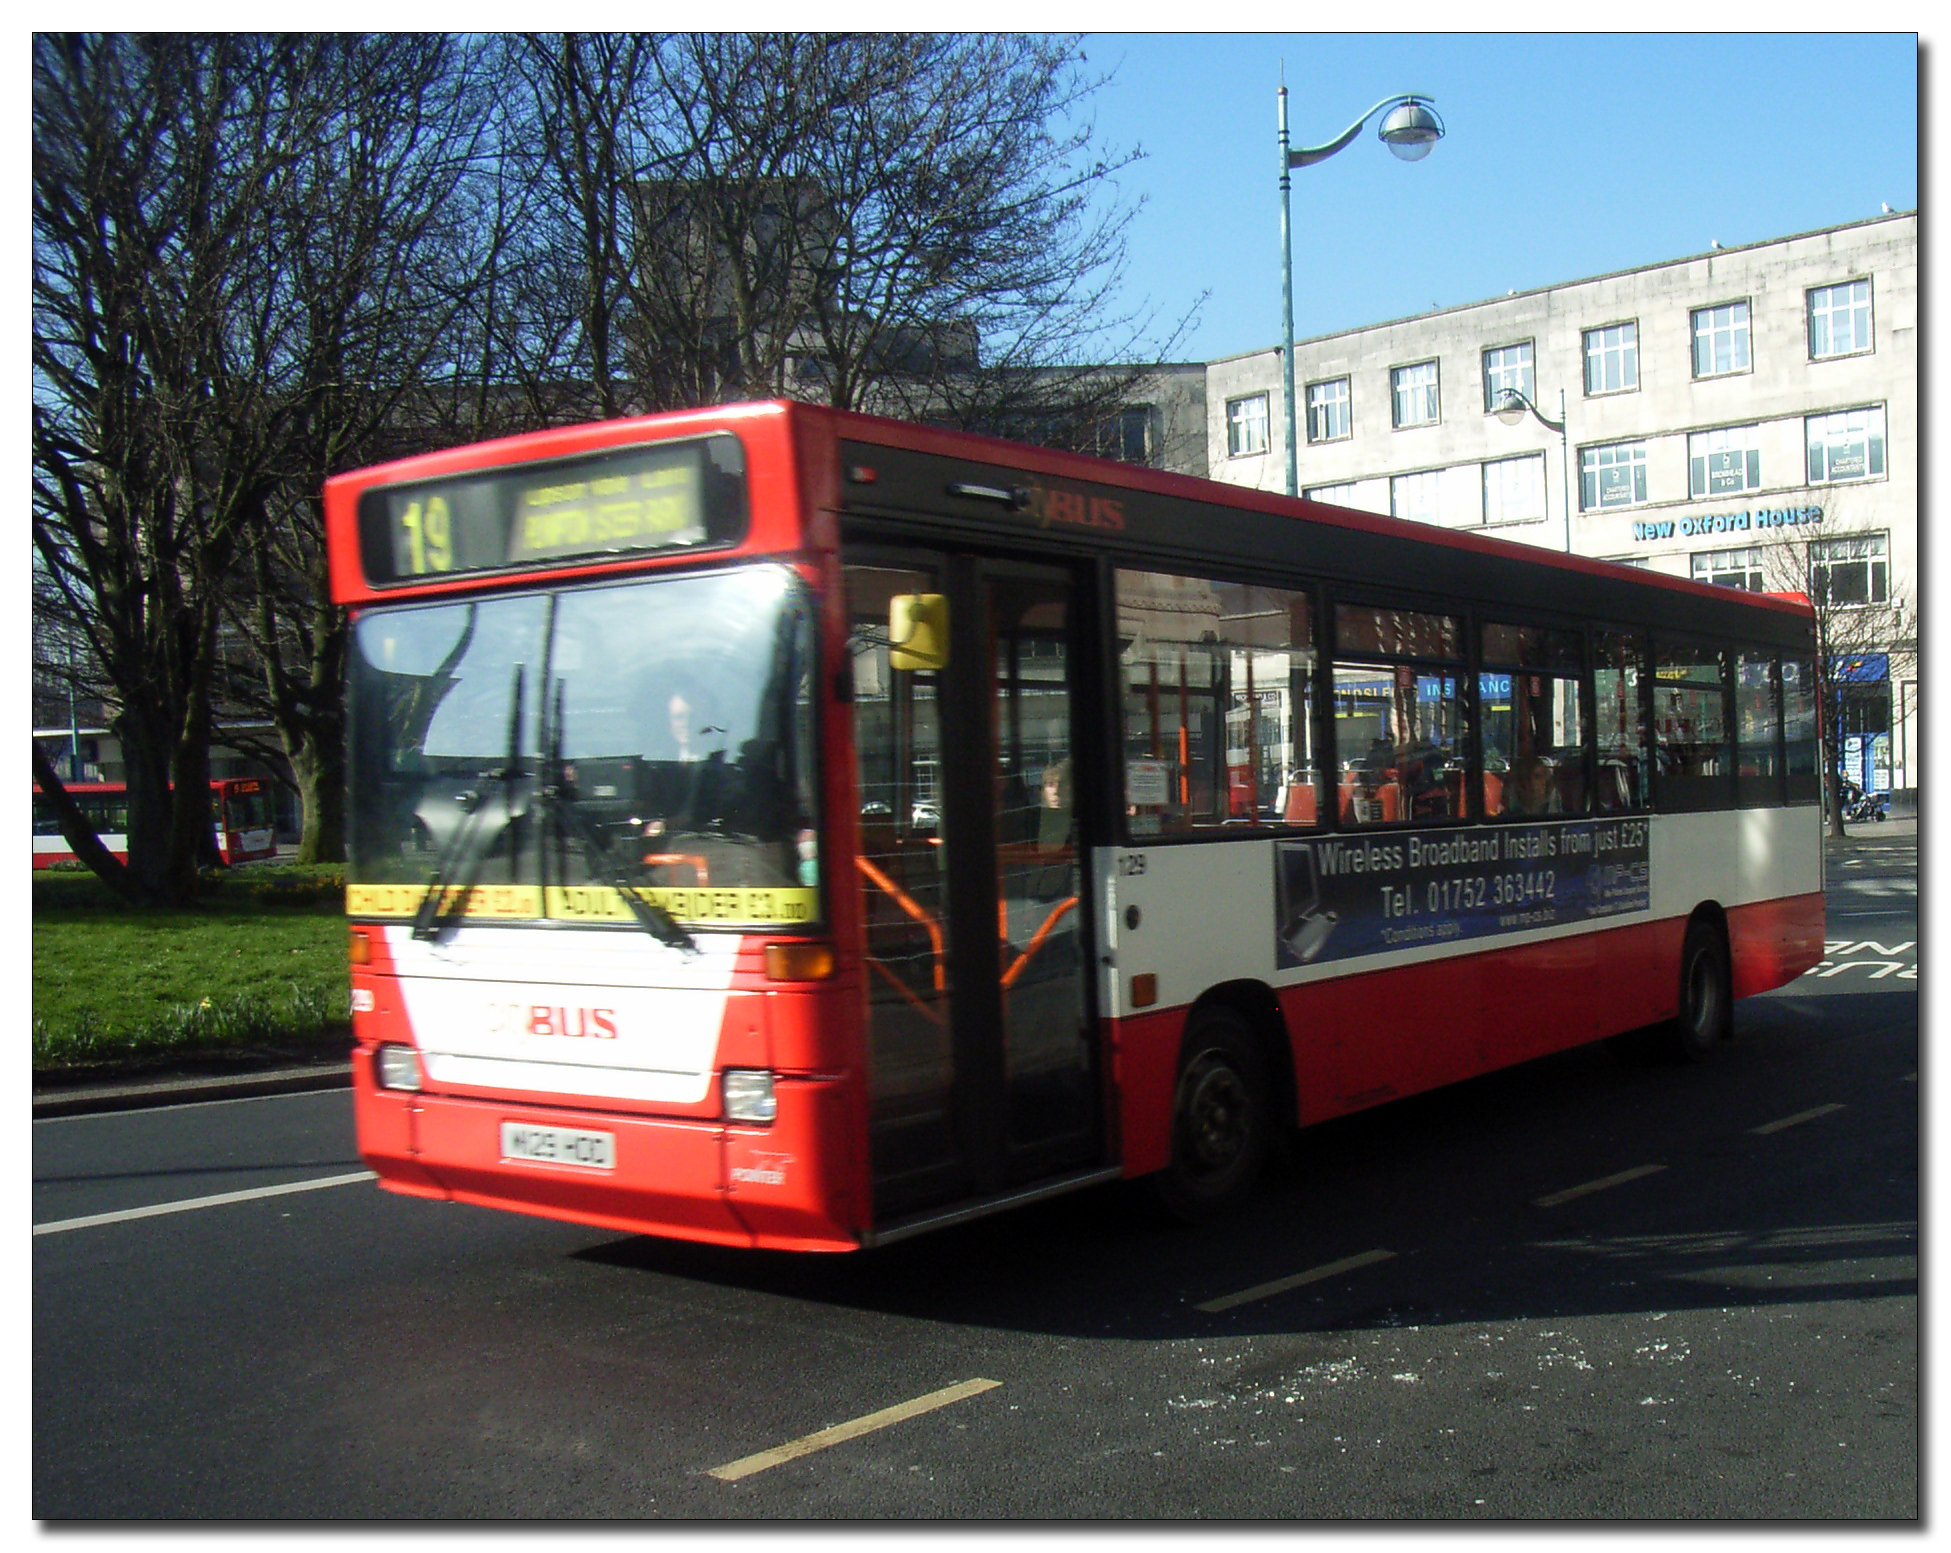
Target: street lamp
column 1410, row 131
column 1511, row 410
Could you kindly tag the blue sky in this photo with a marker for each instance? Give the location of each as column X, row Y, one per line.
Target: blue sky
column 1567, row 155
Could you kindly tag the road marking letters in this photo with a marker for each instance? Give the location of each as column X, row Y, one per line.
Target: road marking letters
column 187, row 1204
column 745, row 1466
column 1261, row 1291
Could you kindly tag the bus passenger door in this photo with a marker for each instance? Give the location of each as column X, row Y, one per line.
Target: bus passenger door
column 982, row 1072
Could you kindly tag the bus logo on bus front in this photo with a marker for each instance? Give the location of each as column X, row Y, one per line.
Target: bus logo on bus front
column 550, row 1020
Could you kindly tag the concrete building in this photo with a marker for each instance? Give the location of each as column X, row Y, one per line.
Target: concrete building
column 1745, row 416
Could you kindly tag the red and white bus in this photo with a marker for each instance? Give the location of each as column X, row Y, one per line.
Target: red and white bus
column 240, row 812
column 779, row 827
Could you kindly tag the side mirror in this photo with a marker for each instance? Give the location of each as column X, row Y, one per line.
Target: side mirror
column 917, row 628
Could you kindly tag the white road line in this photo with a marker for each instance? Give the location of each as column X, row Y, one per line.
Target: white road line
column 745, row 1466
column 1790, row 1121
column 189, row 1203
column 1621, row 1179
column 1261, row 1291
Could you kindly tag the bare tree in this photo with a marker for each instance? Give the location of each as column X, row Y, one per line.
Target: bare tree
column 1844, row 573
column 154, row 160
column 910, row 224
column 383, row 259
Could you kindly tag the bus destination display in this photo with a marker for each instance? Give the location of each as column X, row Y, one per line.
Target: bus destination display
column 670, row 496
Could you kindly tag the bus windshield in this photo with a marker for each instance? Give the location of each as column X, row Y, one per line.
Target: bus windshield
column 578, row 751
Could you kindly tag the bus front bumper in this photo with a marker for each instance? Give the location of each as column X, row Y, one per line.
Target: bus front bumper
column 771, row 1187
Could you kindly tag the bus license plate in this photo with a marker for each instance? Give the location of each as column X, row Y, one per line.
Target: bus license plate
column 558, row 1146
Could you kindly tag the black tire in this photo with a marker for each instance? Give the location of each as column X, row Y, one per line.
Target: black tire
column 1222, row 1119
column 1706, row 1016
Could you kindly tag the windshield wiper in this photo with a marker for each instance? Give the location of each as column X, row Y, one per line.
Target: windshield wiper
column 556, row 797
column 468, row 846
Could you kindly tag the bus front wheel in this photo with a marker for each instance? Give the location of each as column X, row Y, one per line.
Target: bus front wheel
column 1706, row 1015
column 1222, row 1118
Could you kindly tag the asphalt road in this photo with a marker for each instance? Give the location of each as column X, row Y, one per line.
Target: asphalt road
column 1588, row 1287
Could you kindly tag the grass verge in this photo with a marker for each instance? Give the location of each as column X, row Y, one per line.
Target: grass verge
column 261, row 963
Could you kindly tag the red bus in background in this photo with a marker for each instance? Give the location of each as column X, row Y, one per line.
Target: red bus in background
column 779, row 827
column 240, row 812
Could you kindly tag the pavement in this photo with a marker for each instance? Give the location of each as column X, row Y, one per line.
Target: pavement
column 236, row 1077
column 245, row 1074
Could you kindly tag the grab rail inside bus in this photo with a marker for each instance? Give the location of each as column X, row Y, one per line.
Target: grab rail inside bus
column 689, row 860
column 920, row 914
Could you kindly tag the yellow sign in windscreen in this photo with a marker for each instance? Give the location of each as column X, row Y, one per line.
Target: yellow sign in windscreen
column 739, row 907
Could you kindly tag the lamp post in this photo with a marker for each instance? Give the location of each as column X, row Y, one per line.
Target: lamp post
column 1410, row 130
column 1511, row 411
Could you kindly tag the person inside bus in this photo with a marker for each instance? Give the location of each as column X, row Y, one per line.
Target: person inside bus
column 1529, row 789
column 683, row 789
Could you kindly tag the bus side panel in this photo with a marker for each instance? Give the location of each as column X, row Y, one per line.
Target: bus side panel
column 1144, row 1064
column 1773, row 942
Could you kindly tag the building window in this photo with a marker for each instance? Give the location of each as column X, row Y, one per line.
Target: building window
column 1418, row 498
column 1508, row 368
column 1721, row 340
column 1846, row 446
column 1839, row 320
column 1339, row 495
column 1724, row 463
column 1328, row 418
column 1514, row 489
column 1731, row 568
column 1415, row 394
column 1853, row 569
column 1246, row 425
column 1640, row 561
column 1612, row 359
column 1612, row 476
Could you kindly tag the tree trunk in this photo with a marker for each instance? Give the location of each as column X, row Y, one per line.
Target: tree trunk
column 319, row 767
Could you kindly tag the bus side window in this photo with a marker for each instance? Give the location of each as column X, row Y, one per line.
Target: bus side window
column 1618, row 705
column 1218, row 695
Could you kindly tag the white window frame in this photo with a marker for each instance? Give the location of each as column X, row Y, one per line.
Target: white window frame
column 1419, row 379
column 1741, row 444
column 1514, row 489
column 1336, row 495
column 1630, row 456
column 1870, row 551
column 1608, row 344
column 1724, row 320
column 1324, row 403
column 1520, row 374
column 1417, row 498
column 1721, row 567
column 1822, row 305
column 1241, row 425
column 1841, row 429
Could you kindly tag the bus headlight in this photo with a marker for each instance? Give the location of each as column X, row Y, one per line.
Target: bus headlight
column 398, row 1067
column 749, row 1096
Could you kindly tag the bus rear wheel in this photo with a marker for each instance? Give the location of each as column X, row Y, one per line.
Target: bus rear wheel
column 1706, row 1016
column 1222, row 1119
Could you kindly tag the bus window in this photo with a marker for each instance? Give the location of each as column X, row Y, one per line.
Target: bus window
column 1618, row 681
column 1218, row 700
column 1400, row 735
column 1757, row 731
column 1799, row 730
column 1533, row 733
column 1691, row 727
